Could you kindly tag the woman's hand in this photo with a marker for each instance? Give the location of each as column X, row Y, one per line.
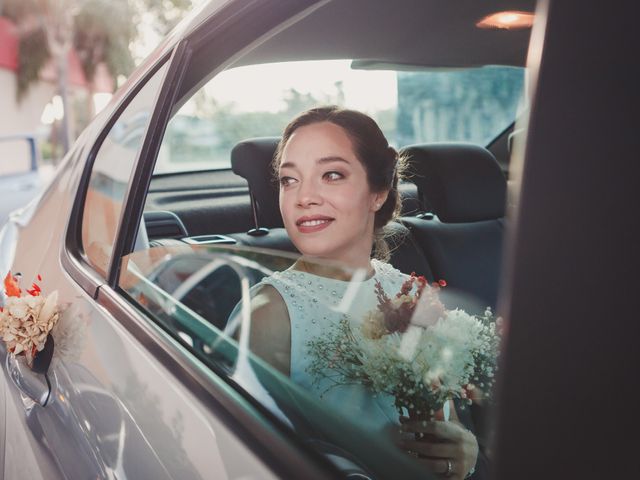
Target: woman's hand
column 445, row 448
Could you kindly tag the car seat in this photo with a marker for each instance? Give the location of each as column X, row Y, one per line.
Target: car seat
column 461, row 234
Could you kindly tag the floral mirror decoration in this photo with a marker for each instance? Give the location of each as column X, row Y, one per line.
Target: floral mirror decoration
column 33, row 325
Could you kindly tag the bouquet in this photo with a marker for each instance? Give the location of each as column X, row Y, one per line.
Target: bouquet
column 411, row 348
column 26, row 321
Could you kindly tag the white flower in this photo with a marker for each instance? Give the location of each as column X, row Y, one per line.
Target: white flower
column 69, row 336
column 438, row 358
column 50, row 307
column 26, row 321
column 410, row 343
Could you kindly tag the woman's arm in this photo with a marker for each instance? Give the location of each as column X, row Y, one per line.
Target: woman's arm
column 270, row 330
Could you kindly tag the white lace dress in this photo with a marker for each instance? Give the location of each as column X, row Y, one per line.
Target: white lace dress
column 314, row 303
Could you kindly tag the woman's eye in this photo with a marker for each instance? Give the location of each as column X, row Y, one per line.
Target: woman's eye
column 331, row 176
column 286, row 181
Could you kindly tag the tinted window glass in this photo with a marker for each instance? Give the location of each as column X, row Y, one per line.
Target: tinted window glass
column 110, row 174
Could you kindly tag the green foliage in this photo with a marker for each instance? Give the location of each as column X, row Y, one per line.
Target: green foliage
column 470, row 104
column 103, row 31
column 34, row 53
column 166, row 13
column 19, row 9
column 209, row 136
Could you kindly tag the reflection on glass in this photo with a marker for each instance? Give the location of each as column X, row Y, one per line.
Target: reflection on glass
column 362, row 345
column 110, row 175
column 363, row 351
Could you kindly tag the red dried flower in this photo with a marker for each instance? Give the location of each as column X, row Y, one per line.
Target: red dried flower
column 35, row 290
column 11, row 287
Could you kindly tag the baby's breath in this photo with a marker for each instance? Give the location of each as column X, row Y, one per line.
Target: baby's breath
column 452, row 355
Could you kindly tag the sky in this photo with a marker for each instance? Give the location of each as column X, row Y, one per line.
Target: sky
column 363, row 89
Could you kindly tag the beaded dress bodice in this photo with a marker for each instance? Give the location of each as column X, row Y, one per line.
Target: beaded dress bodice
column 315, row 303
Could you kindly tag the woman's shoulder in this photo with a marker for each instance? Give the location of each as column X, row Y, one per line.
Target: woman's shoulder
column 385, row 270
column 290, row 285
column 278, row 280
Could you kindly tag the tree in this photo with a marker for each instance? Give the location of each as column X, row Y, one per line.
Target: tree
column 99, row 30
column 165, row 13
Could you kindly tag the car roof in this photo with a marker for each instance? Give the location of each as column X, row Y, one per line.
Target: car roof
column 429, row 33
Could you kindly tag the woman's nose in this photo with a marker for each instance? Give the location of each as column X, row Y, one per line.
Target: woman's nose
column 308, row 194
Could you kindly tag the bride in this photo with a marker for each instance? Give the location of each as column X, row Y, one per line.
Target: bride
column 338, row 180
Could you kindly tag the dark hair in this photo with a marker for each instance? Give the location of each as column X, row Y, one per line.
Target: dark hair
column 381, row 162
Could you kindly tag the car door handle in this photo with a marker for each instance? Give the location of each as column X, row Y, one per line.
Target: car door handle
column 35, row 386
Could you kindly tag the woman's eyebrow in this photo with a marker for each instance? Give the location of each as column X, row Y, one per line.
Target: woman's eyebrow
column 287, row 165
column 322, row 160
column 331, row 159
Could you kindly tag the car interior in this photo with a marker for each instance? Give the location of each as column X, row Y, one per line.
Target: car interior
column 213, row 188
column 454, row 193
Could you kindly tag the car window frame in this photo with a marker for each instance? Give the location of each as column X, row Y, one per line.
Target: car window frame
column 72, row 256
column 279, row 449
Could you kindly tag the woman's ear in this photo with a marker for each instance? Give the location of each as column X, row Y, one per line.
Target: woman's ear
column 378, row 200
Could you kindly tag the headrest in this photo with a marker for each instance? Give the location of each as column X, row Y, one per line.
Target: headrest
column 251, row 159
column 461, row 182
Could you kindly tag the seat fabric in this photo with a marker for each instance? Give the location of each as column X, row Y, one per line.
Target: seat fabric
column 463, row 239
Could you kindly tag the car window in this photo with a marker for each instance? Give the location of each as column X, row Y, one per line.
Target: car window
column 329, row 362
column 411, row 105
column 110, row 174
column 205, row 297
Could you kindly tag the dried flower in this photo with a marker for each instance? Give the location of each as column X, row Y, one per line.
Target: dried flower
column 69, row 335
column 411, row 348
column 373, row 326
column 27, row 320
column 429, row 309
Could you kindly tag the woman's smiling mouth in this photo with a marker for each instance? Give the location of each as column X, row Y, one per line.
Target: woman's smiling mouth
column 313, row 224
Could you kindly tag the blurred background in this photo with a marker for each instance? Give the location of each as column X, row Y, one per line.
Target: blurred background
column 60, row 62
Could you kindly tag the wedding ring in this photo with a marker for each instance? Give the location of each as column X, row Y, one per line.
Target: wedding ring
column 449, row 470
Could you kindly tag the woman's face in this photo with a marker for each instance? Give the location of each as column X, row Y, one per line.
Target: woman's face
column 325, row 199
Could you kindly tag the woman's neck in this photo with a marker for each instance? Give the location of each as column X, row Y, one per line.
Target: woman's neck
column 322, row 268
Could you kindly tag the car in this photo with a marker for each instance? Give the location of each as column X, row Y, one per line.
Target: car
column 162, row 217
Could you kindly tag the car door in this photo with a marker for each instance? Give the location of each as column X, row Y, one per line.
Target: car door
column 130, row 402
column 115, row 412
